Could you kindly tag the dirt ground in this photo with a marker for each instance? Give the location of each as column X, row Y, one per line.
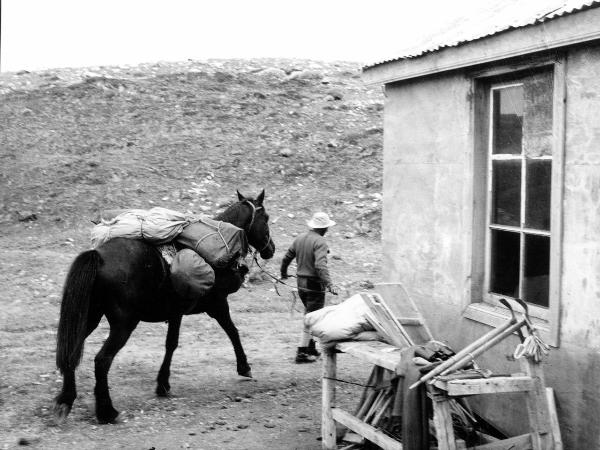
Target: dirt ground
column 74, row 142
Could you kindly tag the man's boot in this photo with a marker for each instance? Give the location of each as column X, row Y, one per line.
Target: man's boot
column 302, row 356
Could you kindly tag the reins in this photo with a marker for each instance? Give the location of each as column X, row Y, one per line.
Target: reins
column 279, row 280
column 276, row 280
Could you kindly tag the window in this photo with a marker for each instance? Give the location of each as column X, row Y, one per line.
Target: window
column 517, row 171
column 519, row 194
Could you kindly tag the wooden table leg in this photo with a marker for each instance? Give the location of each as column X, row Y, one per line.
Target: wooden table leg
column 328, row 432
column 442, row 419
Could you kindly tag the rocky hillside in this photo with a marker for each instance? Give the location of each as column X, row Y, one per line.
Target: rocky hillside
column 186, row 136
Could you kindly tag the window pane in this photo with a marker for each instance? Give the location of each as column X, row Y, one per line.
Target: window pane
column 537, row 114
column 539, row 173
column 508, row 120
column 505, row 259
column 506, row 192
column 537, row 269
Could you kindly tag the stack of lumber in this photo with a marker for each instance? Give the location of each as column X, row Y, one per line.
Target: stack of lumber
column 380, row 404
column 398, row 320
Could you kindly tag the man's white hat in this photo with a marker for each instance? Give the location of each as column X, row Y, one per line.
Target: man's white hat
column 320, row 220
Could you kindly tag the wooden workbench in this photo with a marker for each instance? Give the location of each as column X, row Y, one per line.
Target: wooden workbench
column 374, row 352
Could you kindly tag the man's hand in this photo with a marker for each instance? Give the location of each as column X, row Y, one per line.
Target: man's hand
column 333, row 289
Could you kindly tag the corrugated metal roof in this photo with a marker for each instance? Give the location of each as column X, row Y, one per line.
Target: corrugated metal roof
column 489, row 18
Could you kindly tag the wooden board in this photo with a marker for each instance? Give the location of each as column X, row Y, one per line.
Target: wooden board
column 556, row 436
column 375, row 352
column 368, row 431
column 493, row 385
column 522, row 442
column 405, row 310
column 383, row 319
column 328, row 429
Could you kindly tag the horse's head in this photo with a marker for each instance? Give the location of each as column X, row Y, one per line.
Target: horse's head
column 250, row 215
column 257, row 225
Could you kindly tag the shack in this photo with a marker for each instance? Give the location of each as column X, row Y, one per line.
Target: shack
column 492, row 190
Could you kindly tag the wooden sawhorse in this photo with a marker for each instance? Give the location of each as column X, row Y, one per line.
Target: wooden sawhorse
column 375, row 352
column 544, row 432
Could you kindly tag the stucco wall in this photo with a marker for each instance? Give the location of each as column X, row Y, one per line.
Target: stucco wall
column 428, row 165
column 426, row 137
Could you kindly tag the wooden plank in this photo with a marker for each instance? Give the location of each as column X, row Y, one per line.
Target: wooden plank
column 375, row 352
column 367, row 389
column 537, row 406
column 394, row 332
column 328, row 431
column 375, row 407
column 442, row 420
column 493, row 385
column 522, row 442
column 556, row 436
column 382, row 329
column 368, row 431
column 383, row 409
column 410, row 321
column 402, row 306
column 366, row 405
column 557, row 195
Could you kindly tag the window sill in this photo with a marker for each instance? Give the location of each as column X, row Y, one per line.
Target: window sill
column 496, row 316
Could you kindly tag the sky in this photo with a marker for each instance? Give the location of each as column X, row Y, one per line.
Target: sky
column 40, row 34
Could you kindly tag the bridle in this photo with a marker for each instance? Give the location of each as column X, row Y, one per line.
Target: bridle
column 247, row 230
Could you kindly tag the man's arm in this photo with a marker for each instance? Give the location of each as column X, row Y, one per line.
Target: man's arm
column 321, row 268
column 287, row 259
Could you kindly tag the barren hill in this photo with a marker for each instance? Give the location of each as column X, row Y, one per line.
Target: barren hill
column 186, row 135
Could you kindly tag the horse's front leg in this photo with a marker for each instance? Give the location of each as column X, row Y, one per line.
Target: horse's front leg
column 162, row 381
column 222, row 316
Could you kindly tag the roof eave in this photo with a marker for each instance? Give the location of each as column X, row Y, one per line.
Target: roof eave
column 560, row 32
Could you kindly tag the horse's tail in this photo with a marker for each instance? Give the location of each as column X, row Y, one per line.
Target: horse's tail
column 77, row 297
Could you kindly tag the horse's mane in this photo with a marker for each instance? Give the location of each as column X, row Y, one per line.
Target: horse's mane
column 231, row 213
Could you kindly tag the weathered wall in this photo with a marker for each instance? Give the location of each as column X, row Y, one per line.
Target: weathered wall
column 426, row 137
column 428, row 171
column 579, row 355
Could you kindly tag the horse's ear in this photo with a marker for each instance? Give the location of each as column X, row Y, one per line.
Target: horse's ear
column 260, row 198
column 241, row 198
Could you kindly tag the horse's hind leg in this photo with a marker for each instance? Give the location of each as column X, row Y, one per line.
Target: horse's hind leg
column 64, row 401
column 162, row 381
column 119, row 333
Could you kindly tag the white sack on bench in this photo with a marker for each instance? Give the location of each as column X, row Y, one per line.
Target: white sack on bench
column 342, row 322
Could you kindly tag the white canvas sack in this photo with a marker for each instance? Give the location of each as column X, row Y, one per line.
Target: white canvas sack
column 339, row 322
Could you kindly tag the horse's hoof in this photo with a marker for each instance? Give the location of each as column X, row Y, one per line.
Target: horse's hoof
column 162, row 390
column 108, row 416
column 247, row 373
column 61, row 411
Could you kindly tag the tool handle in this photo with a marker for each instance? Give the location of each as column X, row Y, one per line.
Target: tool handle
column 492, row 342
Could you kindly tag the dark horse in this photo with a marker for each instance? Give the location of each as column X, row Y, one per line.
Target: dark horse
column 127, row 281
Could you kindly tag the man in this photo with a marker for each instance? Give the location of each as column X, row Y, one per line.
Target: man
column 310, row 250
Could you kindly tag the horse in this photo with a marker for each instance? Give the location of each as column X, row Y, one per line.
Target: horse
column 127, row 281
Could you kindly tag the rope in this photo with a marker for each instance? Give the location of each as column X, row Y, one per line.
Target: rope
column 357, row 384
column 532, row 347
column 279, row 280
column 254, row 209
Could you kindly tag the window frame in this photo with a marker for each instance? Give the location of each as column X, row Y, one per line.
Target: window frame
column 482, row 306
column 521, row 229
